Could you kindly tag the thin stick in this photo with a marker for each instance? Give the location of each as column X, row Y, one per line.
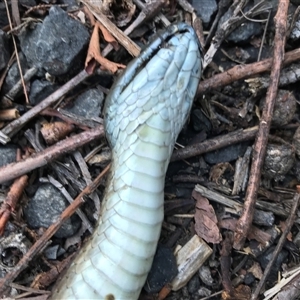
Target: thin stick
column 260, row 145
column 215, row 143
column 240, row 72
column 42, row 158
column 16, row 50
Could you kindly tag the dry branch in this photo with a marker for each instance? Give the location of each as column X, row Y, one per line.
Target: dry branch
column 40, row 159
column 261, row 141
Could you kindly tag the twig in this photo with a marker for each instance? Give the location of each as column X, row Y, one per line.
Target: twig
column 215, row 143
column 289, row 224
column 261, row 141
column 198, row 27
column 16, row 50
column 40, row 159
column 88, row 179
column 8, row 206
column 38, row 246
column 264, row 36
column 44, row 279
column 11, row 200
column 240, row 72
column 225, row 261
column 212, row 295
column 11, row 95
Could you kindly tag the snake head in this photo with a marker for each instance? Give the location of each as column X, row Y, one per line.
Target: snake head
column 162, row 80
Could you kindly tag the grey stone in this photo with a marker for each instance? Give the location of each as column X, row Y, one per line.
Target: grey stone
column 194, row 285
column 163, row 270
column 28, row 2
column 40, row 89
column 4, row 53
column 296, row 240
column 56, row 44
column 249, row 278
column 3, row 15
column 295, row 34
column 204, row 292
column 284, row 108
column 276, row 265
column 200, row 122
column 13, row 74
column 205, row 9
column 88, row 104
column 7, row 154
column 44, row 209
column 243, row 32
column 279, row 159
column 51, row 252
column 226, row 154
column 205, row 275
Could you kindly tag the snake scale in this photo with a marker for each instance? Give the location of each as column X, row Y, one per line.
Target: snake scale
column 145, row 110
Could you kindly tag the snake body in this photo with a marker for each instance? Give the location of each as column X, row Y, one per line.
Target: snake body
column 144, row 113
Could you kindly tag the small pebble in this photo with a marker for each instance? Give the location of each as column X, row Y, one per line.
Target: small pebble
column 278, row 161
column 45, row 207
column 266, row 257
column 284, row 108
column 249, row 278
column 205, row 275
column 194, row 285
column 296, row 141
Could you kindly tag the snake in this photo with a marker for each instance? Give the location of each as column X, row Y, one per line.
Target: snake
column 144, row 113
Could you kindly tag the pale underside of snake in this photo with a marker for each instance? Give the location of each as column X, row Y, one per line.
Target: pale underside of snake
column 144, row 113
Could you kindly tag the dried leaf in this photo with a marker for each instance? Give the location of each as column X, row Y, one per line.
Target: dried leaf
column 108, row 37
column 95, row 53
column 89, row 15
column 206, row 220
column 242, row 292
column 218, row 170
column 256, row 270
